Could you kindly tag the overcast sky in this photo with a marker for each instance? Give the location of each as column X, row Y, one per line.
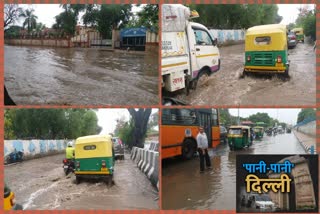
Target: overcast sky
column 107, row 118
column 288, row 116
column 289, row 12
column 47, row 12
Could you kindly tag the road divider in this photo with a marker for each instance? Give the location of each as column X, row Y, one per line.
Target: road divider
column 148, row 162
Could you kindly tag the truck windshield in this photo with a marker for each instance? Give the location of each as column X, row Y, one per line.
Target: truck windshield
column 202, row 37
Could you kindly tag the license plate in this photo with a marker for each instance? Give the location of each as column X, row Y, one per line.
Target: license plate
column 66, row 167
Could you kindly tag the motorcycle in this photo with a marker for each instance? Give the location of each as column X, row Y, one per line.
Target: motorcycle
column 68, row 166
column 13, row 157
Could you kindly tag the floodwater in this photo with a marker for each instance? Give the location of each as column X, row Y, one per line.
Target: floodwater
column 227, row 87
column 183, row 187
column 40, row 184
column 71, row 76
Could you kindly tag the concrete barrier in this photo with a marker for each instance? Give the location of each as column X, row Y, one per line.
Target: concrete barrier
column 148, row 162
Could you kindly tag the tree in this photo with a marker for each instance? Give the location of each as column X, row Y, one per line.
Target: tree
column 140, row 120
column 50, row 123
column 112, row 16
column 148, row 17
column 261, row 117
column 307, row 20
column 68, row 19
column 11, row 14
column 306, row 114
column 235, row 16
column 30, row 20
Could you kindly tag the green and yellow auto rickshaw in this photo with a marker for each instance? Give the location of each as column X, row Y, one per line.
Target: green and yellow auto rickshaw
column 94, row 158
column 266, row 50
column 258, row 132
column 239, row 137
column 299, row 33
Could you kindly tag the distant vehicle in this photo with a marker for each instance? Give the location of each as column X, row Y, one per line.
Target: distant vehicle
column 9, row 200
column 292, row 39
column 288, row 130
column 262, row 202
column 223, row 134
column 239, row 137
column 118, row 148
column 299, row 33
column 13, row 157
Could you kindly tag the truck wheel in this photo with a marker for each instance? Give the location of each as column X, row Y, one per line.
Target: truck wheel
column 203, row 78
column 188, row 149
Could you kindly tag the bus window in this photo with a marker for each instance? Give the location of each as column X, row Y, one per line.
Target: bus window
column 179, row 117
column 215, row 121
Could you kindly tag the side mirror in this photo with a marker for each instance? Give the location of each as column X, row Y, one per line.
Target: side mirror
column 215, row 42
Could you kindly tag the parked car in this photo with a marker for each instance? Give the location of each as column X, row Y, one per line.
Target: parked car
column 223, row 134
column 292, row 40
column 118, row 148
column 262, row 202
column 9, row 200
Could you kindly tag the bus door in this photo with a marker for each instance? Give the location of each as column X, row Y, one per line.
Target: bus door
column 205, row 121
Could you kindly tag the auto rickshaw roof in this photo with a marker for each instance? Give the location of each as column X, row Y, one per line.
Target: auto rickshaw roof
column 297, row 29
column 93, row 139
column 239, row 127
column 265, row 31
column 268, row 28
column 258, row 127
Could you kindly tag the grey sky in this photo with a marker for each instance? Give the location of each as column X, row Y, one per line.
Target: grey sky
column 47, row 12
column 288, row 116
column 107, row 118
column 290, row 12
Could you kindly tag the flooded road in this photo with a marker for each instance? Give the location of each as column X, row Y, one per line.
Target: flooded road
column 226, row 87
column 67, row 76
column 41, row 184
column 183, row 187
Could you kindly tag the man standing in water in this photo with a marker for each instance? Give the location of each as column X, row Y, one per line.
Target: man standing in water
column 202, row 142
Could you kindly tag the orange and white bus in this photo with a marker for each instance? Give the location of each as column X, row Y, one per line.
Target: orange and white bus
column 180, row 128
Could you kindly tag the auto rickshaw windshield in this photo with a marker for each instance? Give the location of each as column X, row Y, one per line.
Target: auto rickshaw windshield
column 235, row 131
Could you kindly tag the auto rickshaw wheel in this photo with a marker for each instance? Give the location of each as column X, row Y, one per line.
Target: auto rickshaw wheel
column 188, row 149
column 109, row 181
column 78, row 179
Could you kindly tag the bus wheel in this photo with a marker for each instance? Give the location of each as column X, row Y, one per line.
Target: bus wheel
column 188, row 149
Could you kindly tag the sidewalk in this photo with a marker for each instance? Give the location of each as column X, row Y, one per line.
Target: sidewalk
column 306, row 141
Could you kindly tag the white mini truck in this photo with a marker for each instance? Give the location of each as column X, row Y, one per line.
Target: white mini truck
column 189, row 52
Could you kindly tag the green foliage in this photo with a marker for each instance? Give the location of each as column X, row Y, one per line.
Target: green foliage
column 30, row 20
column 125, row 133
column 12, row 31
column 68, row 19
column 50, row 123
column 261, row 117
column 307, row 20
column 307, row 113
column 112, row 16
column 235, row 16
column 226, row 118
column 148, row 17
